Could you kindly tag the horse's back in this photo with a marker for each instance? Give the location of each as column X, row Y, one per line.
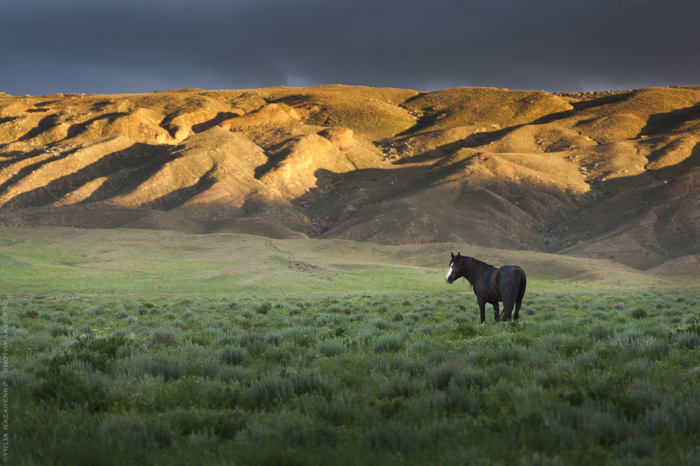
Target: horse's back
column 512, row 271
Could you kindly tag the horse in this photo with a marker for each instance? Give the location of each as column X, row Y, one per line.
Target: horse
column 491, row 285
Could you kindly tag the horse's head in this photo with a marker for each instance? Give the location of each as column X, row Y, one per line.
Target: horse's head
column 454, row 271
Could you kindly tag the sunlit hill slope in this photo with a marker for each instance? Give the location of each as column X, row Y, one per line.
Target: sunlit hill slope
column 612, row 175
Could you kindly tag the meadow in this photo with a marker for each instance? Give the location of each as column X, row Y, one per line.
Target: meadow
column 582, row 378
column 133, row 347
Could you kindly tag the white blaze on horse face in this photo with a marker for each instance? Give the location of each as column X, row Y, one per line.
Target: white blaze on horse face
column 449, row 272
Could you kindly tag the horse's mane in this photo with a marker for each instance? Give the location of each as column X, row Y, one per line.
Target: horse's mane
column 473, row 268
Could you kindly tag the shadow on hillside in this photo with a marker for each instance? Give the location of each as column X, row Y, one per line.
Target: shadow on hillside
column 177, row 198
column 9, row 119
column 656, row 124
column 147, row 161
column 472, row 141
column 275, row 154
column 29, row 169
column 670, row 121
column 79, row 128
column 618, row 212
column 222, row 116
column 559, row 219
column 616, row 97
column 45, row 124
column 128, row 167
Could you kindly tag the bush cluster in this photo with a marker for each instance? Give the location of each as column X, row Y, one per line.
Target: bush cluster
column 580, row 379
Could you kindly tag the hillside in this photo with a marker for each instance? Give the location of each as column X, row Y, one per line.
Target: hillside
column 610, row 175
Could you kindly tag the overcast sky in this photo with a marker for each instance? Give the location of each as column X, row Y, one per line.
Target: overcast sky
column 115, row 46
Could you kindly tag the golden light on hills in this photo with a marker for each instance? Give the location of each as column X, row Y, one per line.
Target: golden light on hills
column 609, row 175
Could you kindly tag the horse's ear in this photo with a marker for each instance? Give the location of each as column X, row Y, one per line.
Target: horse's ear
column 452, row 254
column 459, row 255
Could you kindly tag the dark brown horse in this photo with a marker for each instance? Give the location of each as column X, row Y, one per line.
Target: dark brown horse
column 491, row 285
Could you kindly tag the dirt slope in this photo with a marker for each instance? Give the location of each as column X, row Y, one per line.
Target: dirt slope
column 612, row 175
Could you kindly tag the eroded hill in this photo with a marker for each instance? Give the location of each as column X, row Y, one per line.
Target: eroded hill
column 612, row 175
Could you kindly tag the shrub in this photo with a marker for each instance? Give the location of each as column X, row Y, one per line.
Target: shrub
column 389, row 343
column 401, row 385
column 670, row 417
column 366, row 333
column 304, row 337
column 270, row 389
column 108, row 347
column 96, row 310
column 65, row 388
column 263, row 308
column 399, row 436
column 286, row 430
column 83, row 331
column 687, row 340
column 380, row 323
column 17, row 379
column 439, row 377
column 323, row 320
column 153, row 365
column 121, row 332
column 254, row 342
column 233, row 355
column 466, row 330
column 601, row 332
column 57, row 330
column 231, row 374
column 539, row 459
column 637, row 448
column 420, row 347
column 16, row 332
column 381, row 309
column 574, row 344
column 278, row 356
column 127, row 430
column 469, row 378
column 331, row 348
column 223, row 423
column 602, row 423
column 275, row 388
column 163, row 337
column 62, row 318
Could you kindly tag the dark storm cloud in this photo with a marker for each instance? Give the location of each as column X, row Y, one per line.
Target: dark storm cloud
column 144, row 45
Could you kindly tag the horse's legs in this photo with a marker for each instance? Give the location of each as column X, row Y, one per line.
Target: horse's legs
column 495, row 311
column 482, row 309
column 507, row 308
column 517, row 309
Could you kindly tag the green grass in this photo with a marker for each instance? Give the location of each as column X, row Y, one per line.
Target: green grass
column 75, row 262
column 354, row 379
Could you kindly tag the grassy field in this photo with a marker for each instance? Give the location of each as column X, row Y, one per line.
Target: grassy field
column 121, row 262
column 583, row 378
column 161, row 348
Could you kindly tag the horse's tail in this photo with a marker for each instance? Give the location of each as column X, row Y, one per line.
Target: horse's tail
column 522, row 284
